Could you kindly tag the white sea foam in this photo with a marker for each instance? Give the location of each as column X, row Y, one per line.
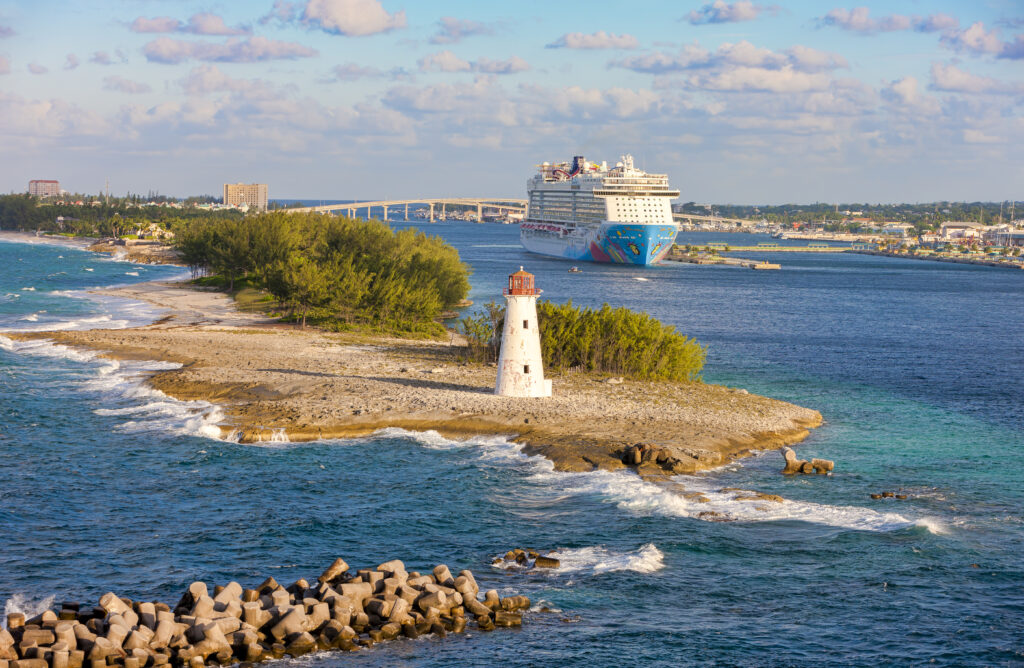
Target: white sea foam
column 151, row 410
column 646, row 559
column 596, row 560
column 31, row 317
column 27, row 606
column 631, row 493
column 131, row 273
column 640, row 278
column 933, row 525
column 89, row 269
column 28, row 289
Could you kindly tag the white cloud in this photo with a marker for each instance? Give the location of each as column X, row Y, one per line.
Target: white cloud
column 859, row 19
column 122, row 85
column 353, row 71
column 36, row 68
column 27, row 121
column 809, row 60
column 597, row 40
column 507, row 66
column 5, row 65
column 254, row 49
column 158, row 24
column 1014, row 49
column 723, row 12
column 451, row 30
column 973, row 136
column 446, row 61
column 975, row 39
column 101, row 58
column 6, row 31
column 743, row 54
column 952, row 79
column 351, row 17
column 741, row 78
column 203, row 23
column 905, row 93
column 71, row 62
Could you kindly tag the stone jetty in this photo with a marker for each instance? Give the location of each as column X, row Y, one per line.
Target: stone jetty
column 340, row 610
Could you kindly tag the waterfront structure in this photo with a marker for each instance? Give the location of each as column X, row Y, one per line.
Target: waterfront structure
column 247, row 195
column 520, row 365
column 586, row 211
column 44, row 188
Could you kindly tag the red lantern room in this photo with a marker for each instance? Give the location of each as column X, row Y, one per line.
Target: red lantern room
column 521, row 283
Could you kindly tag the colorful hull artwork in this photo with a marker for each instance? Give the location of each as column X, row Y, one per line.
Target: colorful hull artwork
column 621, row 243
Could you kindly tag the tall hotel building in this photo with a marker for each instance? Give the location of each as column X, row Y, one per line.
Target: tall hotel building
column 43, row 188
column 253, row 195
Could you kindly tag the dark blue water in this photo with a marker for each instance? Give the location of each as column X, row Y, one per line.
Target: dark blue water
column 917, row 368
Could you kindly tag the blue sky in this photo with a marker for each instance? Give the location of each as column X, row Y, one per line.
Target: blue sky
column 741, row 102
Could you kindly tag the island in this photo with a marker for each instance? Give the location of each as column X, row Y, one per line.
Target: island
column 280, row 380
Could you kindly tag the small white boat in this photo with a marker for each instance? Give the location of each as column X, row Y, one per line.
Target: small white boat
column 575, row 270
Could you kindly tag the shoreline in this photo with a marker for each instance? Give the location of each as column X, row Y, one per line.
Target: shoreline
column 272, row 380
column 82, row 243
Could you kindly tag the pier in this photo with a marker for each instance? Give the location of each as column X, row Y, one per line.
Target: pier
column 722, row 247
column 500, row 204
column 677, row 255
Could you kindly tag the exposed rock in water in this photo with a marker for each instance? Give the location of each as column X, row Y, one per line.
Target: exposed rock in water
column 794, row 465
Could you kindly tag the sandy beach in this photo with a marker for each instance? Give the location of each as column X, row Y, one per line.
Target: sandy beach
column 53, row 240
column 278, row 379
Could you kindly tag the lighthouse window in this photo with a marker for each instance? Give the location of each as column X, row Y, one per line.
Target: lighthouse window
column 526, row 368
column 526, row 324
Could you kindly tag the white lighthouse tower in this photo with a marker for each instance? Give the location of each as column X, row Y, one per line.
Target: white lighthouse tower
column 520, row 367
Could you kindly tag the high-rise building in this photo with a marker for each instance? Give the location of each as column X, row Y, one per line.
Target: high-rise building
column 44, row 188
column 253, row 195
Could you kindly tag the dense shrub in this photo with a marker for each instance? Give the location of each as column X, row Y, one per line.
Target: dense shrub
column 605, row 340
column 335, row 271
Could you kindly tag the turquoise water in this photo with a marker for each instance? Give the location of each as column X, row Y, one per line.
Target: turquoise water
column 917, row 368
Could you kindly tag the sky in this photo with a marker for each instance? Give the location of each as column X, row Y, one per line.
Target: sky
column 738, row 102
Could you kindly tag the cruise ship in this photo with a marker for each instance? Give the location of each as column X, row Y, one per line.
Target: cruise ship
column 585, row 211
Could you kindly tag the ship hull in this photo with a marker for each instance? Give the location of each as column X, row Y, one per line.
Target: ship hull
column 620, row 243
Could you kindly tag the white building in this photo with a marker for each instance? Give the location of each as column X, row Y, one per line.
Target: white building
column 520, row 366
column 44, row 188
column 246, row 195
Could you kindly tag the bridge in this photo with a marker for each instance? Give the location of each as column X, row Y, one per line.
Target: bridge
column 507, row 204
column 715, row 219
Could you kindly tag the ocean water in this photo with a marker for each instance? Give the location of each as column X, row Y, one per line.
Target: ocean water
column 917, row 367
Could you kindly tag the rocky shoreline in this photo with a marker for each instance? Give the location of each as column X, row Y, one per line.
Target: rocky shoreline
column 277, row 381
column 338, row 611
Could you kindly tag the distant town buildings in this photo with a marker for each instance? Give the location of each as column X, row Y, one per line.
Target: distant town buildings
column 246, row 195
column 44, row 188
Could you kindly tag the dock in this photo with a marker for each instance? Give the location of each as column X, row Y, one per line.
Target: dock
column 679, row 256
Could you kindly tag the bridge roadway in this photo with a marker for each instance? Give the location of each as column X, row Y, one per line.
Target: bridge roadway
column 510, row 204
column 715, row 219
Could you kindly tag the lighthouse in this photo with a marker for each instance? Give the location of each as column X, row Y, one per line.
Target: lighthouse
column 520, row 367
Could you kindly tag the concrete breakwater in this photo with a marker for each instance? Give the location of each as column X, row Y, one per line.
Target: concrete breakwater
column 337, row 611
column 1006, row 263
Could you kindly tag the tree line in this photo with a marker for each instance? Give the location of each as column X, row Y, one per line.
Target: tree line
column 26, row 213
column 334, row 271
column 605, row 340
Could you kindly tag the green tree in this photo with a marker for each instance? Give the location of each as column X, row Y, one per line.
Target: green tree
column 301, row 284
